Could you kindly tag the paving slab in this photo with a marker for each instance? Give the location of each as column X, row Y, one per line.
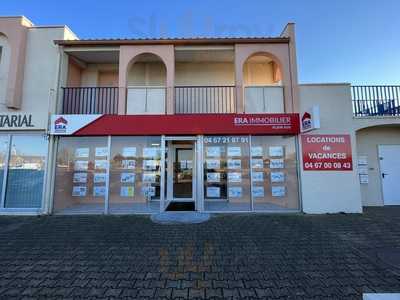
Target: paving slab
column 236, row 256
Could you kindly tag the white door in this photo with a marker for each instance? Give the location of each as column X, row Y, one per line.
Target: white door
column 389, row 158
column 145, row 101
column 254, row 100
column 155, row 101
column 273, row 99
column 136, row 101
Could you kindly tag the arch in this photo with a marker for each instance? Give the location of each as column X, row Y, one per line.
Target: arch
column 389, row 124
column 275, row 73
column 152, row 57
column 368, row 140
column 3, row 34
column 368, row 123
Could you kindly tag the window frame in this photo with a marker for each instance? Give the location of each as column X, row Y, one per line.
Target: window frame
column 3, row 193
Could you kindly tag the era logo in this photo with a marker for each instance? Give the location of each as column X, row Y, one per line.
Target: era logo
column 241, row 121
column 306, row 122
column 60, row 125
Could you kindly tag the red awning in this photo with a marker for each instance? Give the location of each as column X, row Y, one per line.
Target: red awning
column 193, row 124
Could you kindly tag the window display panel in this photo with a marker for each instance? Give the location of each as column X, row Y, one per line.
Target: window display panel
column 135, row 174
column 81, row 175
column 274, row 173
column 226, row 173
column 26, row 167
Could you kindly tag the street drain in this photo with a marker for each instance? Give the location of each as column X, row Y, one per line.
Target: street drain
column 180, row 217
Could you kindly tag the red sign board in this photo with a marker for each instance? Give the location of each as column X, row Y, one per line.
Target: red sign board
column 191, row 124
column 327, row 152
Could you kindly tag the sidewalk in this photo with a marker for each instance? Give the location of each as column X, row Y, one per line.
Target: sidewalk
column 229, row 257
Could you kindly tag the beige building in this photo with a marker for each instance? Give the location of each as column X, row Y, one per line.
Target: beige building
column 29, row 68
column 212, row 125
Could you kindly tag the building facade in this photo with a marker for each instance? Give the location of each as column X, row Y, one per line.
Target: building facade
column 29, row 66
column 214, row 125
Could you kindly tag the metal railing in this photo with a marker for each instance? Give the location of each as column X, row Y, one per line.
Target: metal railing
column 90, row 100
column 205, row 99
column 369, row 101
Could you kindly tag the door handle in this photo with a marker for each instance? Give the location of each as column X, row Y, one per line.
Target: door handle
column 384, row 174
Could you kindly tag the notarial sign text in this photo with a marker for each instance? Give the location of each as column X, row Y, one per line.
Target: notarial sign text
column 327, row 152
column 16, row 121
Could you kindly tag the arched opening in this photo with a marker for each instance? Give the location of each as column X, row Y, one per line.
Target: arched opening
column 261, row 69
column 378, row 164
column 4, row 66
column 146, row 82
column 262, row 80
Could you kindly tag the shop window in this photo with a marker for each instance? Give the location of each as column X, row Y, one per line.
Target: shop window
column 81, row 175
column 26, row 167
column 226, row 173
column 135, row 174
column 274, row 173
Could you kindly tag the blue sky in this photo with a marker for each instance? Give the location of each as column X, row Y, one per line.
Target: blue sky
column 354, row 41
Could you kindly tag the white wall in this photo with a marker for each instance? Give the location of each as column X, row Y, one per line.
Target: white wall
column 90, row 75
column 365, row 122
column 204, row 74
column 368, row 140
column 186, row 74
column 40, row 75
column 330, row 191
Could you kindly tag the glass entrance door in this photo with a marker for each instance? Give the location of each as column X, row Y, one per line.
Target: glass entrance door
column 183, row 172
column 179, row 178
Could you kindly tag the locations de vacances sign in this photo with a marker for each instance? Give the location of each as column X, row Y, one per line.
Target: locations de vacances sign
column 327, row 152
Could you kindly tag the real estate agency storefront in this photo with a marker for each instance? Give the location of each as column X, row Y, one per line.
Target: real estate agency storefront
column 150, row 163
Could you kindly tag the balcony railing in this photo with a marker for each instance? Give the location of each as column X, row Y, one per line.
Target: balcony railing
column 370, row 101
column 90, row 100
column 205, row 99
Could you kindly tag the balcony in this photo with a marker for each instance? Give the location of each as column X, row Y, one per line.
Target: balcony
column 192, row 80
column 205, row 99
column 375, row 101
column 187, row 100
column 90, row 100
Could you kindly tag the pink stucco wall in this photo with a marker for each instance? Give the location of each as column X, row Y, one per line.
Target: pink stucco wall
column 127, row 57
column 280, row 55
column 15, row 29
